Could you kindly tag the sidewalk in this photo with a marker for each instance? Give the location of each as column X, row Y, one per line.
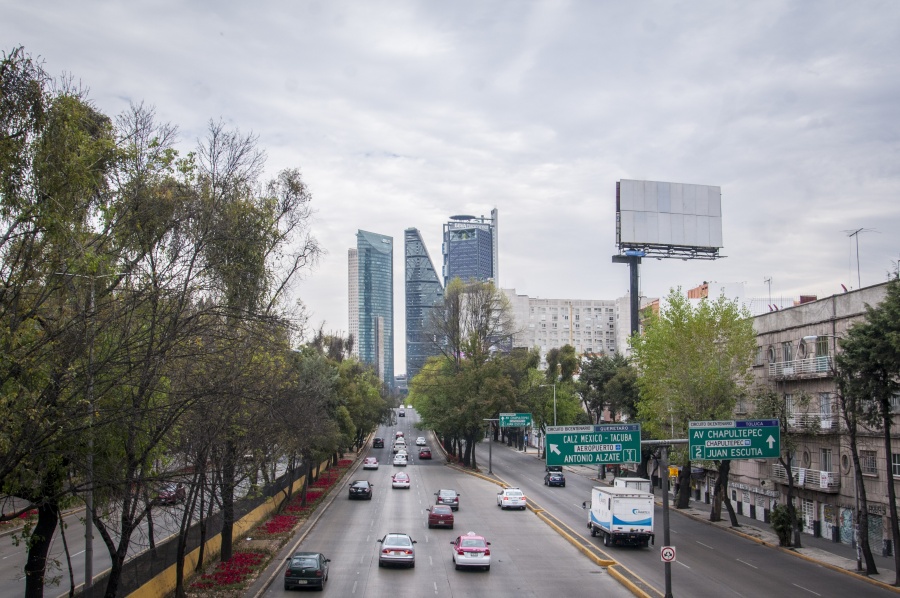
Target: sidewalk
column 833, row 555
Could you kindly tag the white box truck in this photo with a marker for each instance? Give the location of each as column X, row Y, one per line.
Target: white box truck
column 621, row 516
column 636, row 483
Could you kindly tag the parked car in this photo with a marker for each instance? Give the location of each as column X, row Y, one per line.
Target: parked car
column 306, row 570
column 400, row 480
column 171, row 493
column 440, row 516
column 361, row 489
column 511, row 498
column 397, row 549
column 378, row 442
column 471, row 550
column 400, row 460
column 447, row 497
column 420, row 441
column 554, row 478
column 370, row 463
column 424, row 453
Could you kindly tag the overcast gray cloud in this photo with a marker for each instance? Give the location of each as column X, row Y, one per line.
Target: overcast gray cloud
column 401, row 114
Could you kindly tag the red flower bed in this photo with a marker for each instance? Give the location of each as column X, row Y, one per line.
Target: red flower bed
column 230, row 572
column 279, row 524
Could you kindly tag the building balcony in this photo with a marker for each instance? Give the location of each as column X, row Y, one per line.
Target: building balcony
column 810, row 367
column 812, row 422
column 811, row 479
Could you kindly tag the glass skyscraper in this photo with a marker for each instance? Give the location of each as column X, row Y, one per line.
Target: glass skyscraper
column 374, row 294
column 423, row 291
column 470, row 248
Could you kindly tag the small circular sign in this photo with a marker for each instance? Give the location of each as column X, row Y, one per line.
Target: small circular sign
column 667, row 554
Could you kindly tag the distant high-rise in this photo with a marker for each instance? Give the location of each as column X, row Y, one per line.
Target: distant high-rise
column 375, row 301
column 353, row 296
column 423, row 292
column 470, row 248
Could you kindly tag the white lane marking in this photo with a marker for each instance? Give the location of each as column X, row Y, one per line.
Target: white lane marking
column 354, row 586
column 682, row 564
column 807, row 589
column 748, row 564
column 435, row 587
column 706, row 545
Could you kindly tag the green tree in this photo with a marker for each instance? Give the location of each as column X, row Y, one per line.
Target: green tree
column 693, row 364
column 868, row 368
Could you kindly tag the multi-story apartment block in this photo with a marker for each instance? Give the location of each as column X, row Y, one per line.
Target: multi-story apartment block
column 589, row 325
column 423, row 292
column 470, row 248
column 795, row 359
column 375, row 301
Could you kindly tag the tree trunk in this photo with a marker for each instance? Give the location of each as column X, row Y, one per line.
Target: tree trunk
column 892, row 499
column 228, row 472
column 862, row 510
column 684, row 486
column 41, row 539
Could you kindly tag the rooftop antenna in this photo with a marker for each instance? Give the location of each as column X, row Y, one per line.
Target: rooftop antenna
column 855, row 233
column 768, row 280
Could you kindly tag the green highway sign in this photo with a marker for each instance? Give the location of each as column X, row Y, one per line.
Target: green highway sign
column 734, row 439
column 515, row 420
column 586, row 445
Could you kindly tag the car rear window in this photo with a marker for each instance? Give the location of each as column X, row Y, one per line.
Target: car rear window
column 472, row 543
column 398, row 541
column 304, row 563
column 513, row 493
column 441, row 510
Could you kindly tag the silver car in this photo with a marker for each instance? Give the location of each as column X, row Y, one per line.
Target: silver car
column 397, row 549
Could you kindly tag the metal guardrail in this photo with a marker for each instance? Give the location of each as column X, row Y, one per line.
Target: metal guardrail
column 810, row 366
column 808, row 478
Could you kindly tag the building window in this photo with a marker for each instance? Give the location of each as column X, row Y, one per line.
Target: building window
column 825, row 405
column 895, row 403
column 867, row 462
column 787, row 351
column 895, row 464
column 758, row 360
column 826, row 459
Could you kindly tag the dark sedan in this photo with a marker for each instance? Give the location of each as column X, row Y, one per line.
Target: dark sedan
column 554, row 478
column 306, row 570
column 361, row 489
column 440, row 516
column 378, row 442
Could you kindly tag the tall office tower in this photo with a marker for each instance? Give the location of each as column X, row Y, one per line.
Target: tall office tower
column 353, row 298
column 471, row 248
column 423, row 292
column 375, row 301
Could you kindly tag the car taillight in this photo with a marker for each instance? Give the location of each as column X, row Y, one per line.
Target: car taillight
column 318, row 573
column 487, row 552
column 385, row 551
column 287, row 573
column 460, row 552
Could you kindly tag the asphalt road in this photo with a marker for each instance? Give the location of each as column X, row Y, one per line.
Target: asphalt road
column 527, row 558
column 710, row 561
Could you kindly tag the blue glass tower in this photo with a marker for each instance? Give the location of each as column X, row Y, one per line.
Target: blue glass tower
column 375, row 299
column 423, row 292
column 470, row 248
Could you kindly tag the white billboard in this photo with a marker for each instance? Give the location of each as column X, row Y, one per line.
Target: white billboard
column 654, row 214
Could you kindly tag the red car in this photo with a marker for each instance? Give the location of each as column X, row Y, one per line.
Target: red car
column 425, row 453
column 440, row 516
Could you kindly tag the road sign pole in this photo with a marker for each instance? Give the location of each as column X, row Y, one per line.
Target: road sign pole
column 664, row 455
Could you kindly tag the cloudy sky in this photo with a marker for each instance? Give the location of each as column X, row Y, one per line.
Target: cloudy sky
column 402, row 113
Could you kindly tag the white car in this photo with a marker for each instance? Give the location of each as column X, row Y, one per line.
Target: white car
column 400, row 480
column 471, row 550
column 420, row 441
column 511, row 498
column 370, row 463
column 400, row 460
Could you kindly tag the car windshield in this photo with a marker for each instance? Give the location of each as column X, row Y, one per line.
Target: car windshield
column 398, row 541
column 304, row 562
column 472, row 543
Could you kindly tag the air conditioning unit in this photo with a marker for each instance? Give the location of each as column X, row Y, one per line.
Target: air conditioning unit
column 767, row 483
